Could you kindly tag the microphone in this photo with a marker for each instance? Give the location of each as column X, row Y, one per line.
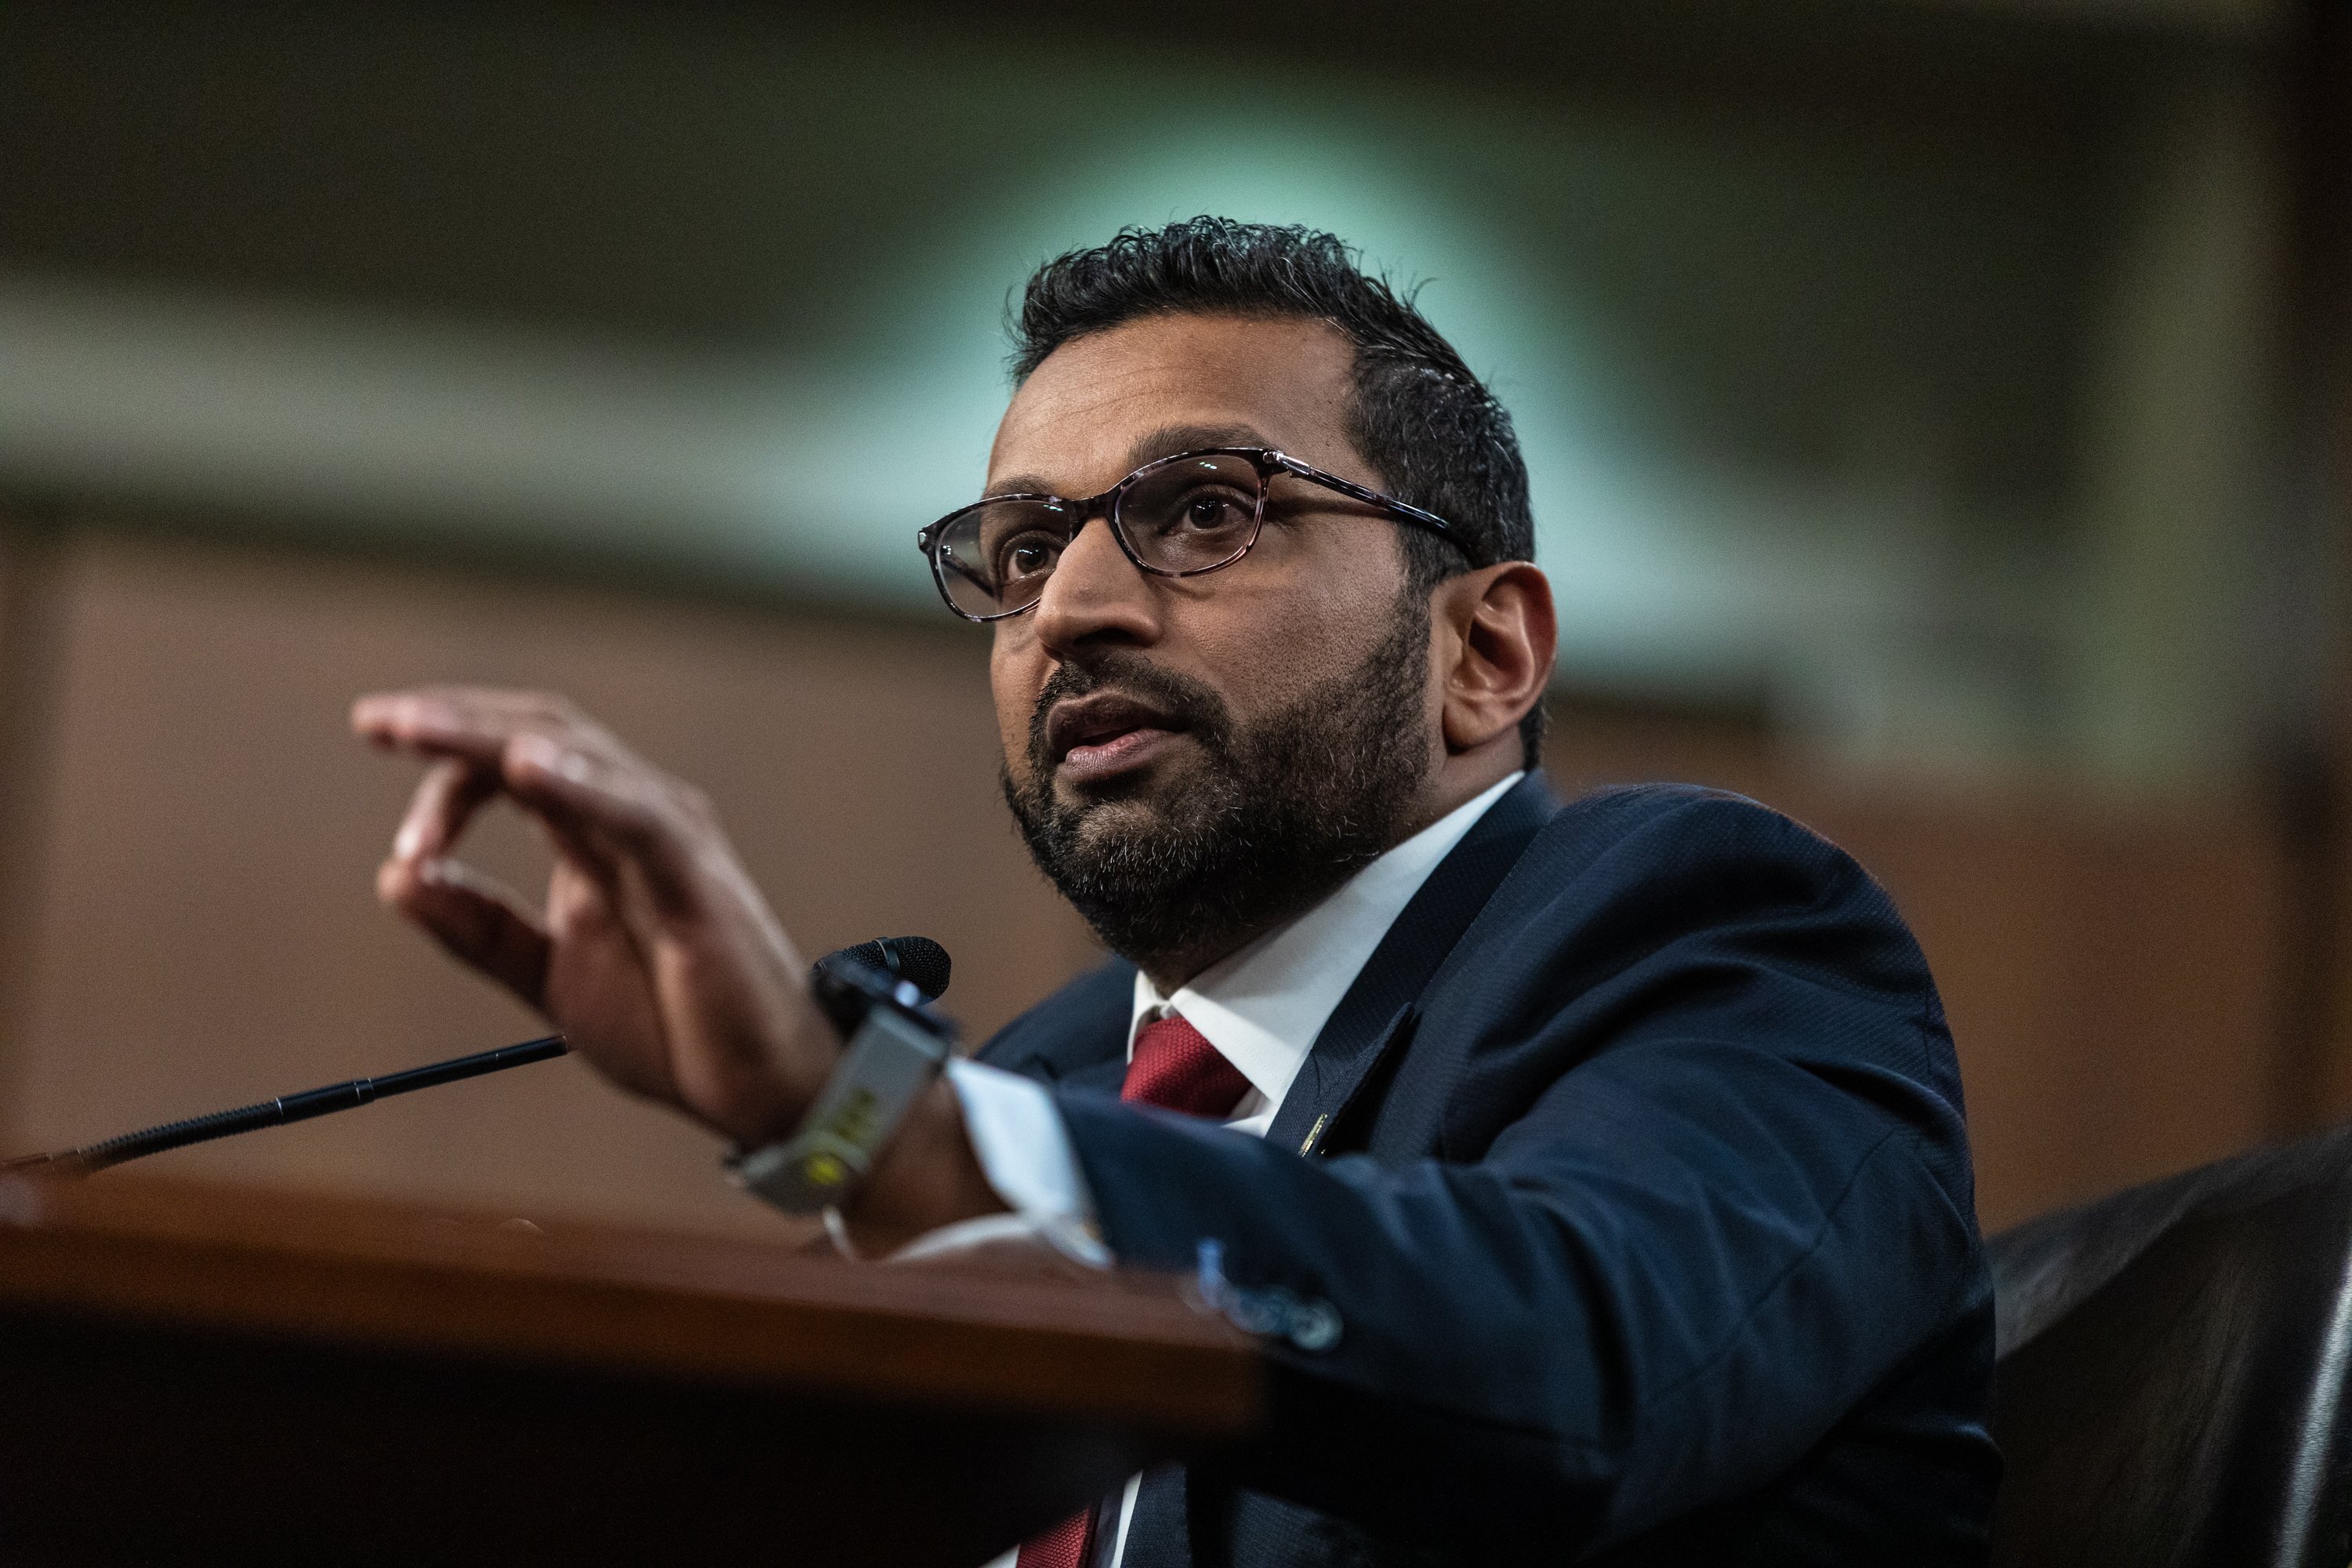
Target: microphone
column 917, row 960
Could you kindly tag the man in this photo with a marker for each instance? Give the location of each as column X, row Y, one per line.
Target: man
column 1610, row 1154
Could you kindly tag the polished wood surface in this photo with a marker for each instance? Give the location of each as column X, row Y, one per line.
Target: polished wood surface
column 197, row 1373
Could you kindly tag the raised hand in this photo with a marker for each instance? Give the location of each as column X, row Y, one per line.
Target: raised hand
column 655, row 955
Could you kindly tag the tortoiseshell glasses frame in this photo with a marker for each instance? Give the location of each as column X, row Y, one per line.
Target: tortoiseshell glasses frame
column 1177, row 516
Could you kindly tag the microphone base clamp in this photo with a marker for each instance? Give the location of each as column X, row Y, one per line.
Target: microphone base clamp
column 896, row 1048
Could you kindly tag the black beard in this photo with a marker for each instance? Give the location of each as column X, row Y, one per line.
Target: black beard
column 1274, row 819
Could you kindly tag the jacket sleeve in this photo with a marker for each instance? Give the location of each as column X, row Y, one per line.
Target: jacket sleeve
column 1706, row 1187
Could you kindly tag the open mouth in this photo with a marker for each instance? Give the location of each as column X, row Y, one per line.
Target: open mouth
column 1094, row 737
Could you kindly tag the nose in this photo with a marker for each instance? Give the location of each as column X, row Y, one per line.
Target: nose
column 1096, row 595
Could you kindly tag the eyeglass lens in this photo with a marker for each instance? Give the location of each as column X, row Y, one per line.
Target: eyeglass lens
column 1186, row 514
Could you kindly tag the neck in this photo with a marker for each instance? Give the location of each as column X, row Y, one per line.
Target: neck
column 1448, row 790
column 1458, row 780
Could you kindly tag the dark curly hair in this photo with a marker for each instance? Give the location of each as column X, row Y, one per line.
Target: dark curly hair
column 1435, row 435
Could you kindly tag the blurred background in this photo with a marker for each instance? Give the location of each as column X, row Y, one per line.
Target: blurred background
column 1934, row 409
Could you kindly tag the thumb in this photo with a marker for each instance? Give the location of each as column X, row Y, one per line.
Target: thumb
column 481, row 924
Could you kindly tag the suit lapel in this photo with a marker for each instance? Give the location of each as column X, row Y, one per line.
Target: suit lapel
column 1074, row 1038
column 1103, row 1077
column 1376, row 1017
column 1077, row 1038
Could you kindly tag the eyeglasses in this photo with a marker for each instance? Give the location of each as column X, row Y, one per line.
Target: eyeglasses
column 1176, row 517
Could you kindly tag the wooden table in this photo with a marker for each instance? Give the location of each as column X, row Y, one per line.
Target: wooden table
column 208, row 1374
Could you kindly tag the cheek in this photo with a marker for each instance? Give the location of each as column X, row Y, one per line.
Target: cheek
column 1271, row 648
column 1015, row 676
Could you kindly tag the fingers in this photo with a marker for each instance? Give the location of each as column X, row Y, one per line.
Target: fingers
column 451, row 791
column 657, row 957
column 602, row 805
column 478, row 921
column 542, row 750
column 469, row 721
column 603, row 812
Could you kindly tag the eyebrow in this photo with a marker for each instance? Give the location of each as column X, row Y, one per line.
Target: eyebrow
column 1165, row 442
column 1171, row 439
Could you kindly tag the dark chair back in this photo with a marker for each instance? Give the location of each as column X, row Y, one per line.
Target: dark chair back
column 2173, row 1364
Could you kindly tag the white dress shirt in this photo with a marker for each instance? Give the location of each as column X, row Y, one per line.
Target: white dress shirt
column 1261, row 1008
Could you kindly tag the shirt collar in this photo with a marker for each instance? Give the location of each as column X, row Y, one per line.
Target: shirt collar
column 1262, row 1005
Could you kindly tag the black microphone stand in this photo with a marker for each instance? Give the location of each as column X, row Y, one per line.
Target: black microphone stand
column 345, row 1096
column 917, row 961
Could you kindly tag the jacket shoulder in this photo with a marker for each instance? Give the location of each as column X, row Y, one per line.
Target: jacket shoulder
column 1705, row 849
column 1665, row 913
column 1614, row 811
column 1082, row 1022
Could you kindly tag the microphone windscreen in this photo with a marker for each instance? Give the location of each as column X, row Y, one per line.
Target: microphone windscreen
column 918, row 960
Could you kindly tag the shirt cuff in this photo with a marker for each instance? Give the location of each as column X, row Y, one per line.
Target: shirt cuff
column 1026, row 1152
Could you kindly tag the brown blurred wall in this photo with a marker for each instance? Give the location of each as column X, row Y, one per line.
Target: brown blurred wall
column 190, row 833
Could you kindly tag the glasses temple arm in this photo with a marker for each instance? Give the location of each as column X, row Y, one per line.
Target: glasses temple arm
column 1349, row 487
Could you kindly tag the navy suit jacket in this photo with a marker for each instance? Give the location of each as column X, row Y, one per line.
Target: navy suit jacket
column 1635, row 1169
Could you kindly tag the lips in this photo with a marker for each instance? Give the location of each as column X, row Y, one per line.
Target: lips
column 1105, row 734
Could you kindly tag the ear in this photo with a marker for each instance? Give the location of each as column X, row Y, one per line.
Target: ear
column 1496, row 637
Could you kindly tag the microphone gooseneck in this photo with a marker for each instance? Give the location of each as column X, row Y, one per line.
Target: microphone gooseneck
column 918, row 960
column 345, row 1096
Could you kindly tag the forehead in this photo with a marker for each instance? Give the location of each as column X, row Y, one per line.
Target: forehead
column 1092, row 411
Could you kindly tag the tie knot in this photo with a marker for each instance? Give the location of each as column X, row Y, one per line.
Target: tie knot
column 1175, row 1068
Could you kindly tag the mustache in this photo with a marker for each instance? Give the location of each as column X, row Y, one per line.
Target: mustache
column 1129, row 674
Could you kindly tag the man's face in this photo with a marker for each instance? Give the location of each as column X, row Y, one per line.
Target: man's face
column 1190, row 753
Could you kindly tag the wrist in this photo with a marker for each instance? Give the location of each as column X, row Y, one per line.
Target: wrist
column 765, row 1103
column 892, row 1061
column 928, row 1177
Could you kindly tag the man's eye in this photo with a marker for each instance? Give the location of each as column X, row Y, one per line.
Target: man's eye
column 1025, row 558
column 1212, row 511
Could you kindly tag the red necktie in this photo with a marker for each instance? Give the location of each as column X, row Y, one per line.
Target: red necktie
column 1172, row 1067
column 1063, row 1546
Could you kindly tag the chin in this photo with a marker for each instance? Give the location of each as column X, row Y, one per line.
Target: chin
column 1103, row 815
column 1135, row 790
